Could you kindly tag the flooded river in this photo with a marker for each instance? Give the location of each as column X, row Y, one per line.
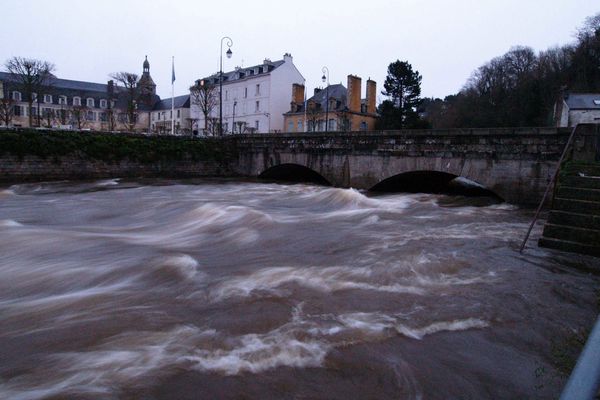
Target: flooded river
column 242, row 290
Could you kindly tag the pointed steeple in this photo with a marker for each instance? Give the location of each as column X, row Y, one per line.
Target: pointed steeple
column 146, row 67
column 146, row 85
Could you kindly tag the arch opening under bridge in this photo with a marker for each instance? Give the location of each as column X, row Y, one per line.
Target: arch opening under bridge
column 433, row 182
column 294, row 173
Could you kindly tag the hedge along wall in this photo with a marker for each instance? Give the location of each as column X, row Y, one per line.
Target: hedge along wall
column 29, row 155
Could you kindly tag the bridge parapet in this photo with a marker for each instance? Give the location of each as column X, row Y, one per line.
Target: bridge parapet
column 515, row 163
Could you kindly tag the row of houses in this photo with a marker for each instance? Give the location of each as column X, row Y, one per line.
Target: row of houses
column 268, row 97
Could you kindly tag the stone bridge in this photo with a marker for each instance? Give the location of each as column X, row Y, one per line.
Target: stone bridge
column 514, row 163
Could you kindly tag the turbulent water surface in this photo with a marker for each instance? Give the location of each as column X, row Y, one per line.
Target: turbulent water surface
column 220, row 289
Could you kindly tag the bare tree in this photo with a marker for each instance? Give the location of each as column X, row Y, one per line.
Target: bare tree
column 7, row 110
column 32, row 76
column 205, row 96
column 129, row 81
column 78, row 116
column 49, row 117
column 312, row 116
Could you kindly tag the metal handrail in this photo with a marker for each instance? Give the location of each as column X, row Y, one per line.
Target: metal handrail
column 584, row 381
column 550, row 184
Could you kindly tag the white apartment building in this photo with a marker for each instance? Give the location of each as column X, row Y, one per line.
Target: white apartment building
column 254, row 98
column 162, row 115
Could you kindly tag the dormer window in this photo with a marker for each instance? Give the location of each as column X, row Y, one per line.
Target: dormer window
column 256, row 70
column 33, row 96
column 103, row 103
column 90, row 102
column 16, row 96
column 47, row 98
column 597, row 102
column 62, row 100
column 77, row 101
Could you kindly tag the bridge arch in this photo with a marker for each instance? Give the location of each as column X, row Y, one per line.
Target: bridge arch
column 294, row 173
column 431, row 181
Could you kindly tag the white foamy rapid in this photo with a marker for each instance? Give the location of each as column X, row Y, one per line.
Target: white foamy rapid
column 132, row 358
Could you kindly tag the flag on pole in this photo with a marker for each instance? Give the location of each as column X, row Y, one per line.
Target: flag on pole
column 173, row 96
column 173, row 71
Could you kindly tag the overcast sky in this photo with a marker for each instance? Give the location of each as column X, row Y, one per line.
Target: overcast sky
column 445, row 40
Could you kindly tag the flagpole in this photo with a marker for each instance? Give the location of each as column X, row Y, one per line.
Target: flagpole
column 173, row 96
column 305, row 119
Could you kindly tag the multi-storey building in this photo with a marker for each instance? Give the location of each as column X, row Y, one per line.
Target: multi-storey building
column 162, row 115
column 253, row 98
column 64, row 103
column 340, row 108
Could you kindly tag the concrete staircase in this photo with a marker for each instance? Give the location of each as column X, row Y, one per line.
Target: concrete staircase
column 573, row 224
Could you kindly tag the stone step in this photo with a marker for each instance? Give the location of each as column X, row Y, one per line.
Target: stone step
column 576, row 206
column 572, row 247
column 573, row 219
column 580, row 182
column 578, row 193
column 572, row 234
column 586, row 169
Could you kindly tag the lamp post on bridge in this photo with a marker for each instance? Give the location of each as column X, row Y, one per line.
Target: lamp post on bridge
column 229, row 53
column 233, row 120
column 324, row 78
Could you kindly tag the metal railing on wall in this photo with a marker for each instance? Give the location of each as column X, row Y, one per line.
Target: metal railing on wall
column 550, row 185
column 584, row 381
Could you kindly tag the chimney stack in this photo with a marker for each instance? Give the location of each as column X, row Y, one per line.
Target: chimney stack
column 297, row 93
column 354, row 93
column 371, row 93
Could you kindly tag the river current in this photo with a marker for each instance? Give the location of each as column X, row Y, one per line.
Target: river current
column 217, row 289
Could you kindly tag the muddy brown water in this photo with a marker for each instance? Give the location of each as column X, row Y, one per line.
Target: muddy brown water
column 240, row 290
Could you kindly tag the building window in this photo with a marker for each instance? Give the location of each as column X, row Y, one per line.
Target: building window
column 178, row 113
column 48, row 98
column 246, row 93
column 227, row 95
column 62, row 100
column 90, row 102
column 77, row 101
column 33, row 96
column 291, row 126
column 90, row 116
column 256, row 125
column 363, row 126
column 171, row 114
column 256, row 70
column 103, row 103
column 17, row 111
column 331, row 125
column 16, row 96
column 257, row 106
column 103, row 117
column 300, row 128
column 258, row 89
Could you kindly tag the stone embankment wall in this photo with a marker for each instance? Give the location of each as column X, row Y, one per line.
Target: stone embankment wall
column 27, row 155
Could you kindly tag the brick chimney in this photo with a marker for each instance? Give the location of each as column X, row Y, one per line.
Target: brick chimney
column 297, row 93
column 371, row 93
column 354, row 93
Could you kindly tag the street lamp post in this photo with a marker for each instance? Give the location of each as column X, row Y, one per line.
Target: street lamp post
column 229, row 44
column 233, row 121
column 326, row 79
